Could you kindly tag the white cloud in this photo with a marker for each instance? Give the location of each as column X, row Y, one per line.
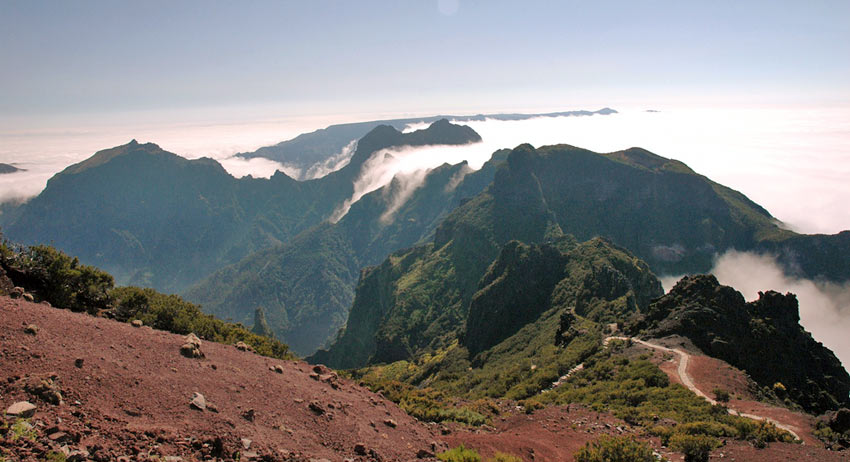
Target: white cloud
column 331, row 164
column 792, row 161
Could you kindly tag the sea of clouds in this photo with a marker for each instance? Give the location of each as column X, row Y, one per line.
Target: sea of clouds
column 793, row 161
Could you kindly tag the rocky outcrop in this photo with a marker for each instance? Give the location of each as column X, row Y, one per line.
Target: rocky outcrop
column 191, row 347
column 763, row 337
column 514, row 292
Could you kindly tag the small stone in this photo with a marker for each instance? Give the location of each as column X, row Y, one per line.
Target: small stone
column 242, row 346
column 198, row 402
column 21, row 409
column 28, row 297
column 279, row 369
column 360, row 449
column 424, row 454
column 390, row 423
column 17, row 292
column 59, row 437
column 77, row 456
column 78, row 362
column 137, row 323
column 246, row 443
column 31, row 329
column 249, row 415
column 173, row 459
column 191, row 350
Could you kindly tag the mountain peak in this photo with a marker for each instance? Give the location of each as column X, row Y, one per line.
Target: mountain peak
column 385, row 136
column 106, row 155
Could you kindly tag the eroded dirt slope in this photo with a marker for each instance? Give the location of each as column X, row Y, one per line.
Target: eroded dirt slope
column 131, row 396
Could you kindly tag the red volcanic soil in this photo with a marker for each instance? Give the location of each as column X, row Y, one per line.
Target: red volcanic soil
column 709, row 373
column 126, row 394
column 776, row 452
column 552, row 434
column 131, row 395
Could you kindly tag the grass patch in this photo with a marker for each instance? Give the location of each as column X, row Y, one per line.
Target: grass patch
column 638, row 392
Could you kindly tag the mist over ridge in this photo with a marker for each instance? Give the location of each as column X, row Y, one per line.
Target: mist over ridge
column 824, row 306
column 792, row 161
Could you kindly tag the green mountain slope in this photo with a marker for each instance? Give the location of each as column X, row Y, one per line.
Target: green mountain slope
column 307, row 284
column 658, row 209
column 153, row 218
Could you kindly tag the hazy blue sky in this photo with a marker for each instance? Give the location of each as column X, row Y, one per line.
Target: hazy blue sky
column 313, row 56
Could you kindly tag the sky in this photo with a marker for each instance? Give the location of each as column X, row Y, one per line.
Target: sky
column 96, row 57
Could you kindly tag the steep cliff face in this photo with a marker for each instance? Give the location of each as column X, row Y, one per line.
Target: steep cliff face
column 594, row 280
column 763, row 337
column 514, row 292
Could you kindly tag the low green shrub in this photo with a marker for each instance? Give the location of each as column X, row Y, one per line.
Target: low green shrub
column 721, row 395
column 504, row 457
column 172, row 313
column 615, row 449
column 696, row 448
column 459, row 454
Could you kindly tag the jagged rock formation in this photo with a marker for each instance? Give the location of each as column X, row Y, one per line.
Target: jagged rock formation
column 762, row 337
column 261, row 326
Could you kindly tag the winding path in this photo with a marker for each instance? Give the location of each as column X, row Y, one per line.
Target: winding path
column 687, row 381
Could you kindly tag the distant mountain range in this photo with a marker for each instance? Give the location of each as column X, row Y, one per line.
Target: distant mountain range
column 152, row 218
column 311, row 149
column 6, row 168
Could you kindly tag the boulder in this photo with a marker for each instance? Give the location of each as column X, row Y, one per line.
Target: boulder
column 191, row 347
column 839, row 421
column 17, row 292
column 44, row 387
column 21, row 409
column 28, row 297
column 137, row 323
column 242, row 346
column 198, row 402
column 31, row 329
